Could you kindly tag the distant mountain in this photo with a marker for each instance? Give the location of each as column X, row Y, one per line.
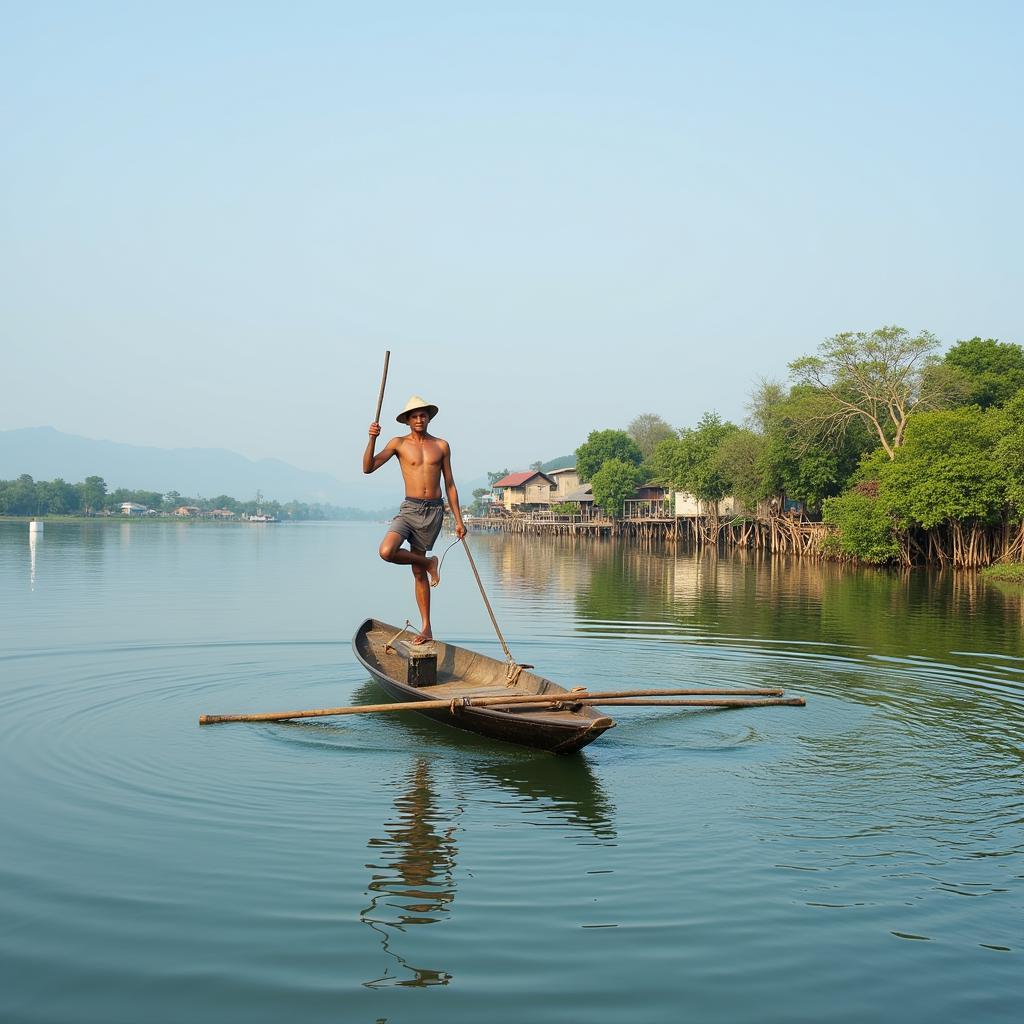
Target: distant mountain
column 45, row 454
column 562, row 462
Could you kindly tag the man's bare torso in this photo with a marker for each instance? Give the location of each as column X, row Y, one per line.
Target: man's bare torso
column 421, row 461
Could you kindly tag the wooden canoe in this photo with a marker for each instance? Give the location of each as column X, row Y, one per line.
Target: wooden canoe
column 464, row 673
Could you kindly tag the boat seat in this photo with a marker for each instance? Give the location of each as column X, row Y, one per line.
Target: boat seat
column 421, row 662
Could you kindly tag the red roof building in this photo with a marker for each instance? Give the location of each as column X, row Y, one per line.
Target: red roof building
column 529, row 488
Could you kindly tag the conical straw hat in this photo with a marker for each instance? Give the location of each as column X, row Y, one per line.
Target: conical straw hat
column 412, row 405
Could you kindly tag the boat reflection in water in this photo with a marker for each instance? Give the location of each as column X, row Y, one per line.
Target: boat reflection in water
column 413, row 880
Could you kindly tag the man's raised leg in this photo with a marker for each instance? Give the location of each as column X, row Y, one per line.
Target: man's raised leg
column 391, row 550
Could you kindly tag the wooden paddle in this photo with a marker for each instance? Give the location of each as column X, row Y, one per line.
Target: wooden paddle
column 610, row 698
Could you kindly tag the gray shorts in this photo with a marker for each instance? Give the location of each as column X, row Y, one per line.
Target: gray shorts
column 419, row 522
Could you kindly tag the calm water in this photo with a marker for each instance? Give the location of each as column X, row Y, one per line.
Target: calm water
column 858, row 859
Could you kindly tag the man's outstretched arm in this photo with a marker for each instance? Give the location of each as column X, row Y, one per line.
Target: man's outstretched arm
column 372, row 462
column 452, row 491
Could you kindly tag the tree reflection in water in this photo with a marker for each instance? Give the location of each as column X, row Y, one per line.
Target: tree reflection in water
column 413, row 883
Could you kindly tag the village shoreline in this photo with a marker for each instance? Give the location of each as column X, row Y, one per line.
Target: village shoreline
column 785, row 535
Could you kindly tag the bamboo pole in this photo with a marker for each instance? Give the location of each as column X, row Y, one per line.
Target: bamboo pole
column 487, row 604
column 583, row 697
column 645, row 702
column 383, row 381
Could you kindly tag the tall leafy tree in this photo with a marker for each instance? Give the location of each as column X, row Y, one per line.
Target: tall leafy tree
column 947, row 469
column 647, row 430
column 689, row 463
column 764, row 402
column 801, row 457
column 1009, row 452
column 19, row 497
column 57, row 496
column 93, row 490
column 600, row 447
column 740, row 462
column 613, row 483
column 879, row 378
column 994, row 369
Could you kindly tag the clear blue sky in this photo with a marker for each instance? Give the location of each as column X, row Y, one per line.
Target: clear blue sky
column 215, row 217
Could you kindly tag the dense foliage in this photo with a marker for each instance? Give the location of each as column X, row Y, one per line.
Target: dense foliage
column 878, row 379
column 647, row 430
column 690, row 461
column 994, row 371
column 602, row 446
column 864, row 529
column 613, row 483
column 907, row 454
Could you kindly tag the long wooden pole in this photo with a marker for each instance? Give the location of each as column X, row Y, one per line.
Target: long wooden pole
column 383, row 381
column 648, row 702
column 611, row 698
column 487, row 604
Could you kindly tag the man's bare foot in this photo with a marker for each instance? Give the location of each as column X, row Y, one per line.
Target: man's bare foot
column 434, row 570
column 424, row 636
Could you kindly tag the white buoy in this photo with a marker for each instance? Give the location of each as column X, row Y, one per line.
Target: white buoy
column 35, row 526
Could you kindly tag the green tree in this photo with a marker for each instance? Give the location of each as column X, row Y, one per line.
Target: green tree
column 93, row 490
column 864, row 528
column 800, row 457
column 994, row 369
column 602, row 446
column 57, row 497
column 879, row 379
column 19, row 497
column 947, row 469
column 1010, row 452
column 740, row 463
column 493, row 478
column 950, row 478
column 477, row 507
column 689, row 463
column 763, row 404
column 613, row 483
column 647, row 430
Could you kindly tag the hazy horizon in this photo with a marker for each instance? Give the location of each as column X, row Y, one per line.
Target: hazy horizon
column 556, row 217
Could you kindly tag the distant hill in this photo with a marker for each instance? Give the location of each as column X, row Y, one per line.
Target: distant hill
column 562, row 462
column 45, row 454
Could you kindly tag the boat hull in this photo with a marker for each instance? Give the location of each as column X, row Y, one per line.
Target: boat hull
column 464, row 673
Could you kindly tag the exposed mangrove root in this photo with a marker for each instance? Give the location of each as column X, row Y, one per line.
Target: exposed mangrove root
column 960, row 544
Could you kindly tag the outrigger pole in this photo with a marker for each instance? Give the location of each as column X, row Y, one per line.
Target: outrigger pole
column 705, row 698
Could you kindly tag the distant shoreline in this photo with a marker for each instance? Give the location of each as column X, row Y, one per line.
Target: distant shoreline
column 187, row 520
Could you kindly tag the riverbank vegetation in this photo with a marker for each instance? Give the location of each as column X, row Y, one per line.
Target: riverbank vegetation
column 25, row 497
column 908, row 456
column 1005, row 572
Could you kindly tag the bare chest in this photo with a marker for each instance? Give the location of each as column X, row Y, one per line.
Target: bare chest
column 419, row 456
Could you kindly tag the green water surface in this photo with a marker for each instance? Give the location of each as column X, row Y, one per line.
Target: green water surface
column 859, row 859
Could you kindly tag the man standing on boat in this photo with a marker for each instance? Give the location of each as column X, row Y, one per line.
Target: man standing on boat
column 424, row 460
